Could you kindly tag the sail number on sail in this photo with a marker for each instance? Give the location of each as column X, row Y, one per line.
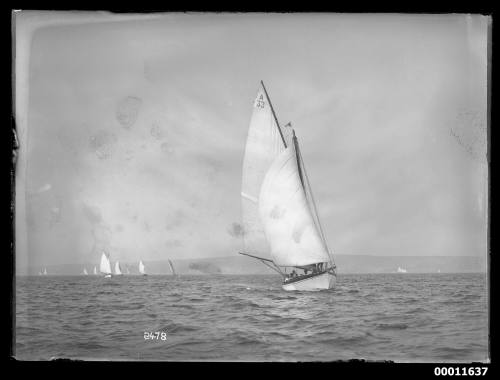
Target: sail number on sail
column 259, row 102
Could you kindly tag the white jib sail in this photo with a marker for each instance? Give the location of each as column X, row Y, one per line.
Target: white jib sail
column 264, row 144
column 95, row 270
column 141, row 268
column 286, row 216
column 117, row 268
column 105, row 266
column 85, row 271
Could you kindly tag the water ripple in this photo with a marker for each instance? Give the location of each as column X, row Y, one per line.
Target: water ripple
column 375, row 317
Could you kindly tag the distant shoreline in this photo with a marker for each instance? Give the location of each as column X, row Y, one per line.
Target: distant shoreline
column 241, row 274
column 242, row 265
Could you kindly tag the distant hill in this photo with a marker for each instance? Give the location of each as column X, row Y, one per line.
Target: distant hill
column 245, row 265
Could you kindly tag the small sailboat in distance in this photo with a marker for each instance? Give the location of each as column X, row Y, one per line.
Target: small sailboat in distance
column 44, row 271
column 85, row 273
column 105, row 266
column 95, row 270
column 128, row 272
column 401, row 270
column 118, row 270
column 142, row 269
column 172, row 268
column 278, row 209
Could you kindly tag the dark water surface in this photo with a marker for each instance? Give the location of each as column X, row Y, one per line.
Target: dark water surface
column 400, row 317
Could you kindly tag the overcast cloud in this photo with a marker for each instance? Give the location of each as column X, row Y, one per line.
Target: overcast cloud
column 136, row 131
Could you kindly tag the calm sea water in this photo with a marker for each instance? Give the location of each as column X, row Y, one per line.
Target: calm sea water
column 400, row 317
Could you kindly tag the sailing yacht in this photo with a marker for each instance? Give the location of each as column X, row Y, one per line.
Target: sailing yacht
column 105, row 266
column 278, row 210
column 401, row 270
column 118, row 270
column 85, row 271
column 142, row 268
column 95, row 270
column 172, row 268
column 44, row 271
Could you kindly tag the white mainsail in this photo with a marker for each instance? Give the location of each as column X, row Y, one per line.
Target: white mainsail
column 117, row 268
column 95, row 270
column 105, row 266
column 264, row 144
column 141, row 268
column 172, row 267
column 45, row 271
column 287, row 218
column 85, row 271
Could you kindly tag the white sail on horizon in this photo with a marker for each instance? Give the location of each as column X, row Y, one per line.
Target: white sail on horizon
column 105, row 266
column 287, row 218
column 95, row 270
column 117, row 268
column 172, row 267
column 85, row 271
column 44, row 271
column 264, row 144
column 141, row 267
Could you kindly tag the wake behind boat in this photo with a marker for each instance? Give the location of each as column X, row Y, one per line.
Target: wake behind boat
column 279, row 213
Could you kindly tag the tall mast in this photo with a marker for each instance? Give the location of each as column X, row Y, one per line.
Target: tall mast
column 274, row 113
column 302, row 170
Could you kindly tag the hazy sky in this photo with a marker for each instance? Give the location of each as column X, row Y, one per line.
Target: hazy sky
column 137, row 128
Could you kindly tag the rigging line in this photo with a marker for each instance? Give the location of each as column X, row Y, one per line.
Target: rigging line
column 314, row 204
column 264, row 261
column 297, row 157
column 274, row 113
column 273, row 268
